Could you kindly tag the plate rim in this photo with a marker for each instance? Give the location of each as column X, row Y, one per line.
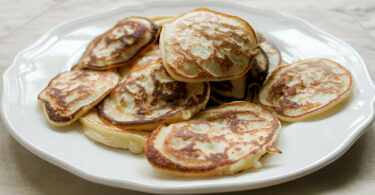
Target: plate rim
column 50, row 157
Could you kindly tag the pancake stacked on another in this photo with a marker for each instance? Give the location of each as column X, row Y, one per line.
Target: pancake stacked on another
column 218, row 141
column 120, row 45
column 204, row 45
column 71, row 94
column 148, row 97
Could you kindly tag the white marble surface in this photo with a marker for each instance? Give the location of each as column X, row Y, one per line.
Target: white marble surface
column 24, row 21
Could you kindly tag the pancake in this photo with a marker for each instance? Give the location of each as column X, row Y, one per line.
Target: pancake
column 109, row 135
column 71, row 94
column 219, row 141
column 273, row 54
column 241, row 88
column 148, row 97
column 204, row 45
column 149, row 57
column 305, row 88
column 119, row 45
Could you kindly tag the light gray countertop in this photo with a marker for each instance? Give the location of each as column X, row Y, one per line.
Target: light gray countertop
column 24, row 21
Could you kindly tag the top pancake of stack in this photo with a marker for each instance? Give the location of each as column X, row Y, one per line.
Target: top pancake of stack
column 204, row 45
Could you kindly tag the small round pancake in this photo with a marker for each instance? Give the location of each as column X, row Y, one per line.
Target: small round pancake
column 109, row 135
column 148, row 97
column 119, row 45
column 221, row 140
column 204, row 45
column 71, row 94
column 305, row 88
column 239, row 89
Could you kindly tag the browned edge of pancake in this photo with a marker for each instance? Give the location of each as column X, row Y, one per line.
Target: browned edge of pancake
column 155, row 35
column 159, row 161
column 204, row 75
column 257, row 70
column 313, row 112
column 147, row 124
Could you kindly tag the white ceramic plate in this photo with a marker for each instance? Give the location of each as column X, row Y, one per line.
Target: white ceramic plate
column 307, row 146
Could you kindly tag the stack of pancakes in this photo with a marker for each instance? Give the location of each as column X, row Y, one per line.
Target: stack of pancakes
column 144, row 85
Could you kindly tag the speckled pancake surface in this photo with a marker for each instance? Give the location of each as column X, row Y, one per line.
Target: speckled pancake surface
column 204, row 45
column 305, row 88
column 221, row 140
column 147, row 58
column 109, row 135
column 119, row 45
column 70, row 94
column 148, row 97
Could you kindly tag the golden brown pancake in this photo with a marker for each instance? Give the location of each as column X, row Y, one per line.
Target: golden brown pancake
column 71, row 94
column 221, row 140
column 119, row 45
column 148, row 97
column 305, row 88
column 204, row 45
column 109, row 135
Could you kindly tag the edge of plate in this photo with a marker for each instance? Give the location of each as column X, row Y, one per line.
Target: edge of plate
column 230, row 186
